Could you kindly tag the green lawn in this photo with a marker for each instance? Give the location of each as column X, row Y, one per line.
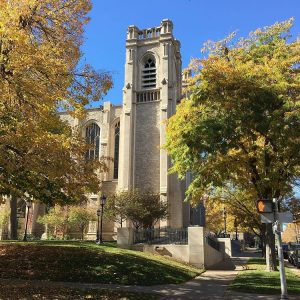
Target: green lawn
column 88, row 262
column 257, row 280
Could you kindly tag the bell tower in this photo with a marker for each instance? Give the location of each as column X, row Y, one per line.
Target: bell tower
column 151, row 91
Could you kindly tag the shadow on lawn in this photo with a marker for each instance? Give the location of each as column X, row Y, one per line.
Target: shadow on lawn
column 85, row 264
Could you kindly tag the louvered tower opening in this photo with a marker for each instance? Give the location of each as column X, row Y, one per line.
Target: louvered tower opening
column 149, row 74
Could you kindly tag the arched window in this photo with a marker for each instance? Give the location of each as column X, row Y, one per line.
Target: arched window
column 92, row 138
column 116, row 150
column 149, row 73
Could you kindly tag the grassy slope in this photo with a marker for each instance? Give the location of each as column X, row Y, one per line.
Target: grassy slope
column 88, row 262
column 257, row 280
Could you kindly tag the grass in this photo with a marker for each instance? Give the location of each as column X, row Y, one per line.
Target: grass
column 89, row 263
column 11, row 290
column 257, row 280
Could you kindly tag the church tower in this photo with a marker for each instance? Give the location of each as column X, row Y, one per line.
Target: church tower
column 151, row 91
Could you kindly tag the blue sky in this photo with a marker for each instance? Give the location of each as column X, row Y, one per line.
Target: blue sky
column 195, row 21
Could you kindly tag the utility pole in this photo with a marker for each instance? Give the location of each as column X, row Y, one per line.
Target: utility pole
column 277, row 231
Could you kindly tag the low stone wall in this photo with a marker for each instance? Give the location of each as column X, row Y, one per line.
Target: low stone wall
column 196, row 240
column 212, row 256
column 125, row 237
column 225, row 244
column 180, row 252
column 197, row 252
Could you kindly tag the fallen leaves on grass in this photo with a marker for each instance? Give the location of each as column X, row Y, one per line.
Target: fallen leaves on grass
column 11, row 290
column 90, row 265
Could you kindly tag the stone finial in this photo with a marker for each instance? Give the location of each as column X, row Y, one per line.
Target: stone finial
column 167, row 26
column 132, row 32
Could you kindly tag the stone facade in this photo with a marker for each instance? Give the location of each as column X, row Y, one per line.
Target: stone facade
column 147, row 150
column 150, row 95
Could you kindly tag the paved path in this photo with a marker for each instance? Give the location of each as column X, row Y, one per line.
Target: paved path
column 211, row 285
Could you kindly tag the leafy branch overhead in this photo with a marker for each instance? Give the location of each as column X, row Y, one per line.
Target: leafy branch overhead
column 240, row 126
column 40, row 74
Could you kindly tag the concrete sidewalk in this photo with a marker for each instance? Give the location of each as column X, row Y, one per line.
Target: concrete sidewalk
column 210, row 285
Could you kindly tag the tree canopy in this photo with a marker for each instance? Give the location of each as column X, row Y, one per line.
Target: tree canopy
column 143, row 208
column 40, row 74
column 239, row 128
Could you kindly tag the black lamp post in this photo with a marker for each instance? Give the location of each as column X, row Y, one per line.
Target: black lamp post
column 225, row 224
column 98, row 225
column 100, row 213
column 28, row 205
column 236, row 226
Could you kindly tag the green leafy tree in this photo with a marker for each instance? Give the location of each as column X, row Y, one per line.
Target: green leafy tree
column 56, row 221
column 79, row 217
column 144, row 209
column 116, row 207
column 240, row 127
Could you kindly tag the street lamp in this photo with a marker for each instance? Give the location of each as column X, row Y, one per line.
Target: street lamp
column 98, row 225
column 100, row 214
column 225, row 216
column 236, row 226
column 28, row 205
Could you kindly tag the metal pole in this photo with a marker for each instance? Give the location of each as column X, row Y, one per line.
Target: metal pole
column 225, row 225
column 277, row 227
column 101, row 240
column 236, row 228
column 25, row 233
column 97, row 238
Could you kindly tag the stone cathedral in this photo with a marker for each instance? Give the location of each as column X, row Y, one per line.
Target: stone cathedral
column 133, row 133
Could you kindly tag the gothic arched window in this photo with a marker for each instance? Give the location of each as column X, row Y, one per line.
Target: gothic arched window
column 116, row 150
column 92, row 138
column 149, row 73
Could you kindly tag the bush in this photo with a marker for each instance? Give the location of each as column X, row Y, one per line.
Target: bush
column 56, row 220
column 60, row 219
column 79, row 217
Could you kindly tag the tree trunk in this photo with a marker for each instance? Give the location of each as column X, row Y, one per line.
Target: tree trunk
column 263, row 247
column 13, row 224
column 270, row 249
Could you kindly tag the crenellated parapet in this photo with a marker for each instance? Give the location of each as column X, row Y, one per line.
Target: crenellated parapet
column 166, row 28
